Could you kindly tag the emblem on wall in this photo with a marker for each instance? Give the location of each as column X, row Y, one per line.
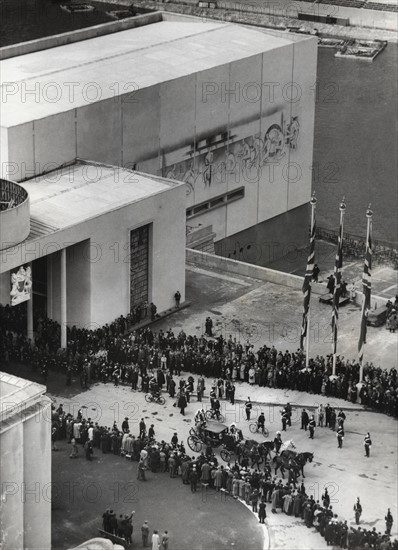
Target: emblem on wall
column 21, row 285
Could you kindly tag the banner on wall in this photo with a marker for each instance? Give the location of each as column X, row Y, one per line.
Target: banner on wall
column 21, row 285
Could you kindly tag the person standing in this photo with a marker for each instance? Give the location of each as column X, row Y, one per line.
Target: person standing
column 145, row 534
column 182, row 402
column 262, row 514
column 367, row 444
column 177, row 298
column 315, row 273
column 341, row 417
column 248, row 408
column 141, row 470
column 320, row 415
column 193, row 478
column 340, row 436
column 304, row 420
column 165, row 540
column 232, row 394
column 155, row 540
column 311, row 426
column 358, row 511
column 284, row 418
column 389, row 522
column 142, row 426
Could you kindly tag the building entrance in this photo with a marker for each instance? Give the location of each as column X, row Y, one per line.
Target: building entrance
column 139, row 264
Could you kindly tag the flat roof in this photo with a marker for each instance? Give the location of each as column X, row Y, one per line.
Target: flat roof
column 85, row 190
column 45, row 83
column 16, row 394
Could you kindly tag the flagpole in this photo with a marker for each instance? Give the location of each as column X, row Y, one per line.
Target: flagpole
column 309, row 272
column 307, row 337
column 337, row 282
column 365, row 291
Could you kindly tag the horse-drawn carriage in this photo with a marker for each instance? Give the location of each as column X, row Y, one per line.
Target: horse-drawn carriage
column 210, row 434
column 234, row 447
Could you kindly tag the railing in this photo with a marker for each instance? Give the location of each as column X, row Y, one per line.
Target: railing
column 384, row 252
column 11, row 195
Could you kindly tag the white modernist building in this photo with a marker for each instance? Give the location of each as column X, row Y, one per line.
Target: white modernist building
column 227, row 109
column 100, row 241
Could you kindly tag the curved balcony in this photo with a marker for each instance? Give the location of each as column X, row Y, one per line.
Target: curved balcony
column 14, row 214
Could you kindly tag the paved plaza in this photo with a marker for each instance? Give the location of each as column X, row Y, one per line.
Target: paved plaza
column 248, row 307
column 346, row 472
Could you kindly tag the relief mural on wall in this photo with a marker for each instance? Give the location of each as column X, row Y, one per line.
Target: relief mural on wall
column 216, row 159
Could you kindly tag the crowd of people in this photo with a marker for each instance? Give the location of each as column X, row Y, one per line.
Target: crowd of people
column 110, row 354
column 150, row 361
column 256, row 487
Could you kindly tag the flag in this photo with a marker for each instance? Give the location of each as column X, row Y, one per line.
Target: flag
column 366, row 288
column 308, row 277
column 337, row 279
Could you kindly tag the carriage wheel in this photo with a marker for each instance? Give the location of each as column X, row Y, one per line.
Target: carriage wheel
column 266, row 433
column 209, row 415
column 225, row 455
column 221, row 418
column 162, row 400
column 148, row 398
column 194, row 444
column 253, row 428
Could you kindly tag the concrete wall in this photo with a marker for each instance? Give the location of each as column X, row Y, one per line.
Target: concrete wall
column 228, row 265
column 242, row 268
column 25, row 476
column 270, row 240
column 14, row 225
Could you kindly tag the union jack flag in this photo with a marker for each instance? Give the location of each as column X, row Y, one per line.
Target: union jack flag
column 308, row 277
column 366, row 288
column 337, row 279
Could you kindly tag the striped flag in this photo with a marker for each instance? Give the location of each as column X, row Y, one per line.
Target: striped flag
column 337, row 279
column 366, row 287
column 308, row 276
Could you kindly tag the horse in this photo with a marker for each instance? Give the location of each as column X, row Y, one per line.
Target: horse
column 284, row 463
column 265, row 448
column 288, row 445
column 300, row 458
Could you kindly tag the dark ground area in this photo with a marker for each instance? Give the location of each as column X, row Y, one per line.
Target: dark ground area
column 83, row 490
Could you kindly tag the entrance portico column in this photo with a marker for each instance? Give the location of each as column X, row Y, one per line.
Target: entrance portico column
column 63, row 299
column 29, row 314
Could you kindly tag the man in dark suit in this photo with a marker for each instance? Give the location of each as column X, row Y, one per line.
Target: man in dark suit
column 304, row 420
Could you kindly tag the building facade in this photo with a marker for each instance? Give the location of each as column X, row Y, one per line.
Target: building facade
column 235, row 124
column 25, row 442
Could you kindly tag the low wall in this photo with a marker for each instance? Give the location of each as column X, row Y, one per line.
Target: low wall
column 79, row 35
column 247, row 270
column 211, row 261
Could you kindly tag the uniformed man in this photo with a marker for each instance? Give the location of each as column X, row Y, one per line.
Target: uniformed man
column 248, row 408
column 367, row 444
column 340, row 436
column 278, row 442
column 311, row 426
column 284, row 418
